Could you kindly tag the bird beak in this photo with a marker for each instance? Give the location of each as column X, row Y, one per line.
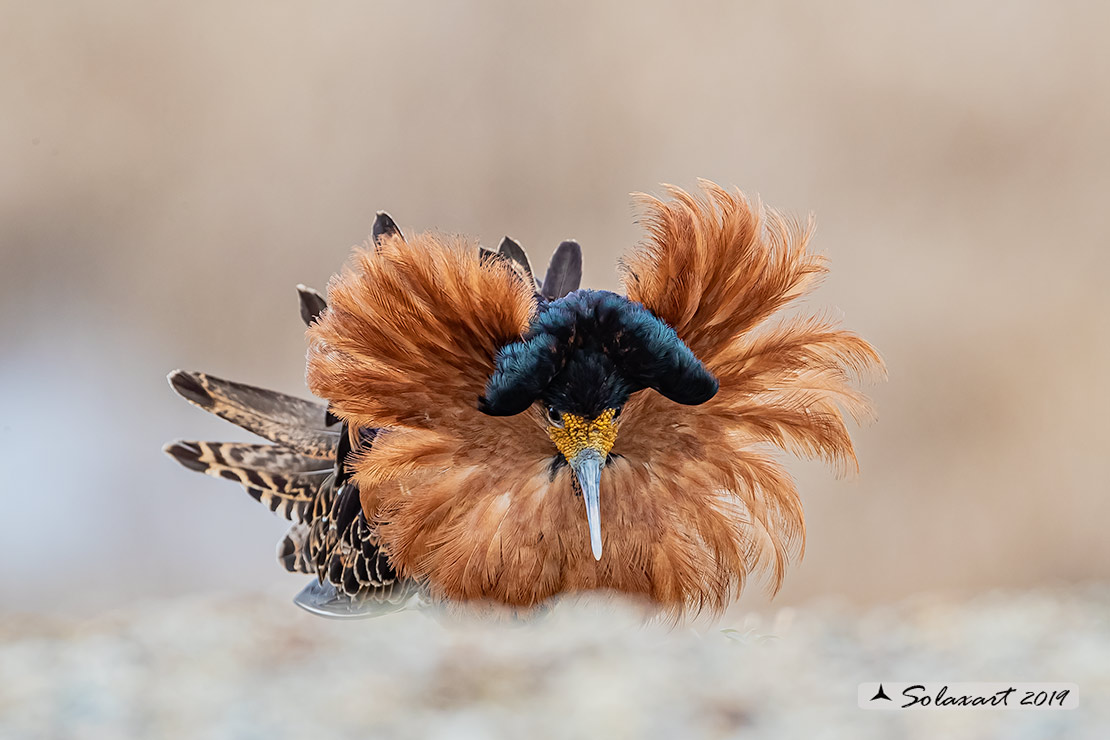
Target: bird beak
column 587, row 468
column 585, row 444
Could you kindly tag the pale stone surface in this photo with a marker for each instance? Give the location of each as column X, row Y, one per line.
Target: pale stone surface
column 259, row 668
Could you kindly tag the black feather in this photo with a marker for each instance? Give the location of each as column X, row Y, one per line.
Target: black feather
column 384, row 226
column 564, row 272
column 312, row 304
column 512, row 249
column 346, row 507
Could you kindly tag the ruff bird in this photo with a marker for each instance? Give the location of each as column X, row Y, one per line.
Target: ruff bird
column 488, row 437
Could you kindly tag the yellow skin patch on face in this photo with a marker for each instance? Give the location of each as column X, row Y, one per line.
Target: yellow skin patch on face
column 578, row 433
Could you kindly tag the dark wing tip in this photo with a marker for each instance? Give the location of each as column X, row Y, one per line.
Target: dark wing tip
column 511, row 248
column 186, row 453
column 189, row 387
column 324, row 600
column 312, row 304
column 384, row 225
column 564, row 273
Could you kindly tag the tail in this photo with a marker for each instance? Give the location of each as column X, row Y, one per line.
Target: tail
column 302, row 477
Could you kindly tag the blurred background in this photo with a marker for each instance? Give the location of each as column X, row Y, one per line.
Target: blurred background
column 169, row 172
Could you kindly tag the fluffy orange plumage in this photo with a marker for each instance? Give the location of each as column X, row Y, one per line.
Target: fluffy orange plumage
column 693, row 501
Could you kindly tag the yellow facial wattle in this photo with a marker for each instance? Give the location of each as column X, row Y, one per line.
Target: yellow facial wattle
column 578, row 434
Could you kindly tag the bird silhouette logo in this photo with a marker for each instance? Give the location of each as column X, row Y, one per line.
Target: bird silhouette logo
column 490, row 437
column 880, row 694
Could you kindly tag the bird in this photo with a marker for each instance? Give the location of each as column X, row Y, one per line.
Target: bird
column 488, row 438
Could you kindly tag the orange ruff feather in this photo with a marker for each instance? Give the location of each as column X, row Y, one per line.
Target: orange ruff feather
column 691, row 502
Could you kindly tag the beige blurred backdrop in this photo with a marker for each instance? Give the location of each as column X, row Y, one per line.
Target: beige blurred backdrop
column 168, row 173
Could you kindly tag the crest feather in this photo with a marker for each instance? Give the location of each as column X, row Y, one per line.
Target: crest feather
column 716, row 268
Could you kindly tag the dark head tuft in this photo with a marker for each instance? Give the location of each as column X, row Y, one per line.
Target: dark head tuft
column 590, row 351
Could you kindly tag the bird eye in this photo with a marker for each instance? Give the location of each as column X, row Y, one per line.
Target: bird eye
column 554, row 417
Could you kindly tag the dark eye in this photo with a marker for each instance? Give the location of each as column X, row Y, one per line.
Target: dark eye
column 554, row 417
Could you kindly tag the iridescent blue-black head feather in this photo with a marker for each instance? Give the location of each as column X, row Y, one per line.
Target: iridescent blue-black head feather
column 588, row 352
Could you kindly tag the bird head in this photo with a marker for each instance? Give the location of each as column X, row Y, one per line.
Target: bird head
column 584, row 355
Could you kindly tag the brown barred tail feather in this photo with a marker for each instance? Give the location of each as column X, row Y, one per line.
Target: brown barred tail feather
column 289, row 421
column 285, row 482
column 292, row 550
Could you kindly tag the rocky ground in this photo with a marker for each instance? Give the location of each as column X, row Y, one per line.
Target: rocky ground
column 259, row 668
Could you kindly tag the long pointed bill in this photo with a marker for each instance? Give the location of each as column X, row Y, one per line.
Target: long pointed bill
column 587, row 468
